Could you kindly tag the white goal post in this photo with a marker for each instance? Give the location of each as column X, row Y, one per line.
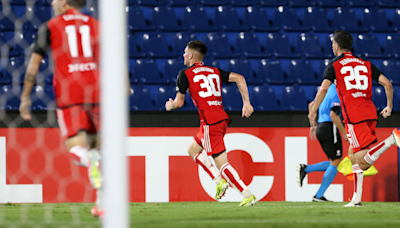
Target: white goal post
column 114, row 113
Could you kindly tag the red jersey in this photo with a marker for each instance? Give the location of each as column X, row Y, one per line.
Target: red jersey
column 73, row 39
column 354, row 86
column 204, row 86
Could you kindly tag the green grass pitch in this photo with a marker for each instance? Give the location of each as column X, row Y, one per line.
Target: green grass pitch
column 208, row 214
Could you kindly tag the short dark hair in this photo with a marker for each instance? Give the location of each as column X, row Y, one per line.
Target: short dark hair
column 198, row 46
column 343, row 39
column 76, row 3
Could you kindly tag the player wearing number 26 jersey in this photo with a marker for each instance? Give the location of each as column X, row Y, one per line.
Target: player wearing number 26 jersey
column 354, row 86
column 74, row 42
column 203, row 83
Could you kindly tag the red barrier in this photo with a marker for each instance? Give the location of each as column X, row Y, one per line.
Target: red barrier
column 37, row 156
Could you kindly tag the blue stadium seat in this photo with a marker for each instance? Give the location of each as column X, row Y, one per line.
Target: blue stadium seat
column 256, row 18
column 301, row 3
column 391, row 69
column 44, row 71
column 218, row 43
column 309, row 45
column 133, row 50
column 211, row 62
column 17, row 2
column 271, row 72
column 182, row 2
column 278, row 44
column 154, row 44
column 302, row 71
column 92, row 11
column 49, row 80
column 286, row 17
column 316, row 18
column 248, row 44
column 43, row 2
column 368, row 46
column 376, row 20
column 42, row 98
column 392, row 45
column 6, row 24
column 345, row 18
column 231, row 98
column 163, row 95
column 389, row 3
column 181, row 39
column 243, row 67
column 361, row 3
column 243, row 2
column 273, row 3
column 396, row 19
column 328, row 45
column 140, row 99
column 213, row 2
column 324, row 63
column 330, row 3
column 21, row 43
column 136, row 20
column 11, row 97
column 146, row 72
column 165, row 18
column 171, row 69
column 15, row 70
column 195, row 19
column 189, row 105
column 263, row 98
column 148, row 2
column 294, row 99
column 379, row 98
column 38, row 14
column 226, row 18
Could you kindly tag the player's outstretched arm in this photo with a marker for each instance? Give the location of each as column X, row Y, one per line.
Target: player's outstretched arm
column 175, row 104
column 318, row 99
column 387, row 111
column 30, row 79
column 247, row 109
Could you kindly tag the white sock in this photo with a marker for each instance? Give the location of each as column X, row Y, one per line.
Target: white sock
column 204, row 161
column 99, row 199
column 233, row 178
column 80, row 155
column 374, row 153
column 358, row 177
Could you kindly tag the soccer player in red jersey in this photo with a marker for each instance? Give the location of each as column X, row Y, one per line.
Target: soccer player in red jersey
column 74, row 42
column 204, row 86
column 354, row 86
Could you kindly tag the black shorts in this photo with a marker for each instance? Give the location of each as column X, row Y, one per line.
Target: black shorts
column 330, row 140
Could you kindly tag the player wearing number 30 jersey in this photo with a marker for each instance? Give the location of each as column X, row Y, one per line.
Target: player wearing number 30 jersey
column 203, row 83
column 74, row 42
column 354, row 86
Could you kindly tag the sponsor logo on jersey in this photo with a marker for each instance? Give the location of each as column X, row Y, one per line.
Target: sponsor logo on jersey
column 216, row 103
column 336, row 104
column 359, row 94
column 81, row 67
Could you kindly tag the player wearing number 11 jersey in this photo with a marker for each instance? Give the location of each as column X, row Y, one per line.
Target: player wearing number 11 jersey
column 74, row 42
column 204, row 86
column 354, row 86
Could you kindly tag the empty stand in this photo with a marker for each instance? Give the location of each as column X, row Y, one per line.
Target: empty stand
column 227, row 19
column 248, row 44
column 301, row 71
column 146, row 72
column 243, row 67
column 165, row 19
column 218, row 45
column 140, row 99
column 294, row 99
column 256, row 18
column 278, row 44
column 263, row 98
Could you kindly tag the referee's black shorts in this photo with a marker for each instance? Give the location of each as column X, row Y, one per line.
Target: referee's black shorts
column 330, row 140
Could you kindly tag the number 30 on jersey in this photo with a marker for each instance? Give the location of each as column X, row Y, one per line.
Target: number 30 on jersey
column 209, row 85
